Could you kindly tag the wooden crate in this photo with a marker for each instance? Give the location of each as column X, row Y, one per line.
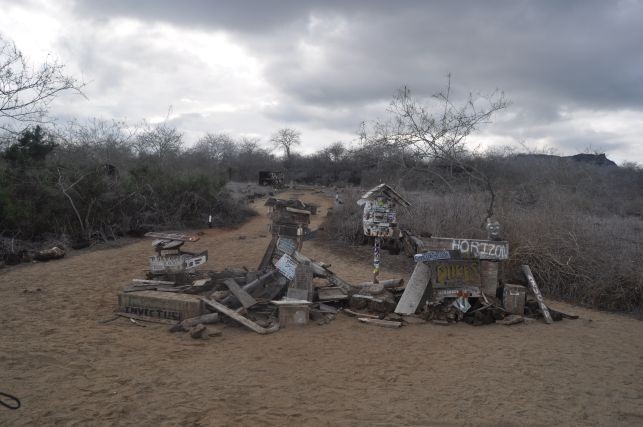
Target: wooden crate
column 161, row 305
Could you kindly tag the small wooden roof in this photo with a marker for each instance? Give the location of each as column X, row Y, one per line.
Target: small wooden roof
column 387, row 191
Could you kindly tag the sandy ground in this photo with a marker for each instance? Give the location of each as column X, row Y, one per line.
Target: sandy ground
column 67, row 369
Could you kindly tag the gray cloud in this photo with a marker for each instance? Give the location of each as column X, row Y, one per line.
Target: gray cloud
column 331, row 64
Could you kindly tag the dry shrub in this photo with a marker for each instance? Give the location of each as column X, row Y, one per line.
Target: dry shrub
column 575, row 256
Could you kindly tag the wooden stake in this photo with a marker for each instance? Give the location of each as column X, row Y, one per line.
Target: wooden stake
column 539, row 297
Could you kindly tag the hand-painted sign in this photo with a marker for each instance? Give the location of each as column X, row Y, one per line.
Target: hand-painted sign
column 468, row 248
column 456, row 273
column 432, row 256
column 455, row 292
column 482, row 249
column 287, row 246
column 287, row 266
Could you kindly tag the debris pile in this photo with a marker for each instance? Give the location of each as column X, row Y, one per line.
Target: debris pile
column 454, row 280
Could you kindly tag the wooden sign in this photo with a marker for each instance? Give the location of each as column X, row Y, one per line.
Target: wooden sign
column 457, row 273
column 287, row 266
column 470, row 248
column 173, row 236
column 287, row 246
column 432, row 256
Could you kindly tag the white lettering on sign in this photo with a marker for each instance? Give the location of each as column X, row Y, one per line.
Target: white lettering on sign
column 481, row 249
column 287, row 266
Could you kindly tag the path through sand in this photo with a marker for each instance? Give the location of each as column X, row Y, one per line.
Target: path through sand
column 68, row 369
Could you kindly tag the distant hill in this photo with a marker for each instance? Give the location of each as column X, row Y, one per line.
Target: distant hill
column 594, row 159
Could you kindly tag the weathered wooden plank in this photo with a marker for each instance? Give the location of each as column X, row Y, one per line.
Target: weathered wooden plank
column 239, row 318
column 536, row 291
column 267, row 256
column 474, row 248
column 379, row 322
column 331, row 294
column 153, row 282
column 287, row 266
column 244, row 298
column 415, row 289
column 173, row 236
column 431, row 256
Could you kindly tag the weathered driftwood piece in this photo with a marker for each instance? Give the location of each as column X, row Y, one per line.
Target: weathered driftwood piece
column 563, row 315
column 152, row 282
column 539, row 297
column 252, row 288
column 415, row 290
column 193, row 321
column 379, row 322
column 239, row 318
column 352, row 313
column 244, row 298
column 173, row 236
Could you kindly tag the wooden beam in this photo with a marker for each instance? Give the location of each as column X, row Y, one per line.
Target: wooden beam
column 415, row 290
column 244, row 297
column 536, row 291
column 239, row 318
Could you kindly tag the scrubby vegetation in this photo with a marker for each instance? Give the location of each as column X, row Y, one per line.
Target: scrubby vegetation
column 578, row 225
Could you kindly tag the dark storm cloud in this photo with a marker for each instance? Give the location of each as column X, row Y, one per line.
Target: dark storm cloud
column 335, row 61
column 585, row 52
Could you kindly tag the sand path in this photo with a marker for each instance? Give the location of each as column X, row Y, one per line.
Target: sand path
column 68, row 369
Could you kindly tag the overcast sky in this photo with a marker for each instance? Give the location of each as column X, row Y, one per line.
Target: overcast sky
column 573, row 70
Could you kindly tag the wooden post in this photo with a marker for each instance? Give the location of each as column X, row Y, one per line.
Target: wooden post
column 415, row 289
column 267, row 256
column 539, row 297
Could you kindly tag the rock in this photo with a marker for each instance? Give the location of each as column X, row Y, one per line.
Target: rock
column 197, row 331
column 49, row 254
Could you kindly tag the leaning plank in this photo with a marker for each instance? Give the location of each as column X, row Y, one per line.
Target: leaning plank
column 415, row 290
column 267, row 256
column 379, row 322
column 173, row 236
column 320, row 271
column 244, row 297
column 153, row 282
column 239, row 318
column 539, row 297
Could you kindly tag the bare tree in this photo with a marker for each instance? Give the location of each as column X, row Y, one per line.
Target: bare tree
column 419, row 132
column 159, row 141
column 285, row 139
column 25, row 91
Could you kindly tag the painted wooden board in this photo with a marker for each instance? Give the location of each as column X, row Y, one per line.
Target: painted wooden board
column 471, row 248
column 239, row 318
column 286, row 245
column 244, row 297
column 536, row 291
column 415, row 289
column 287, row 266
column 431, row 256
column 173, row 236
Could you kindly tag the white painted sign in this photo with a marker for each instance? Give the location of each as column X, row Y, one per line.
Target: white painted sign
column 287, row 266
column 287, row 246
